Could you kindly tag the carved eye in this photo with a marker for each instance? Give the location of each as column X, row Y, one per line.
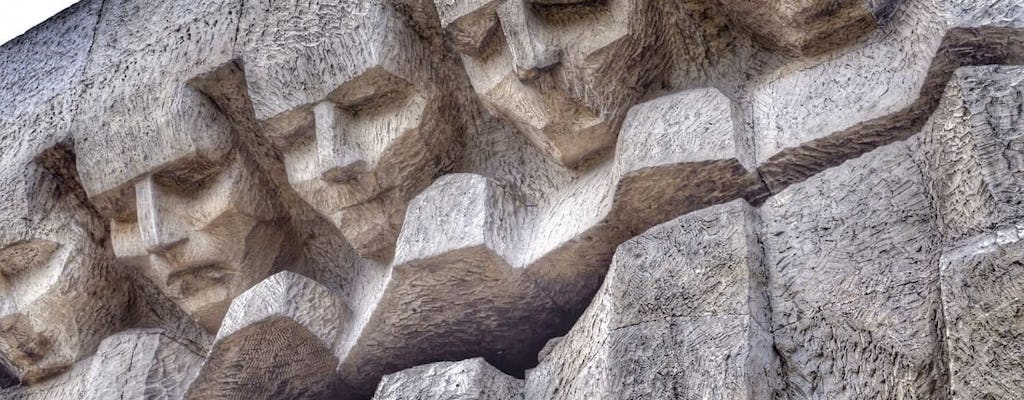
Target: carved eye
column 188, row 176
column 117, row 204
column 374, row 88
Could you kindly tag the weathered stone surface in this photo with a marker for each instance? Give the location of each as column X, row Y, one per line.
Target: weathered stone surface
column 187, row 205
column 683, row 313
column 449, row 180
column 474, row 259
column 354, row 101
column 275, row 343
column 981, row 281
column 527, row 64
column 893, row 82
column 141, row 364
column 805, row 27
column 974, row 151
column 66, row 386
column 43, row 67
column 472, row 379
column 854, row 285
column 61, row 292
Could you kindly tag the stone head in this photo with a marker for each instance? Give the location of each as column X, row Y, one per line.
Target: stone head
column 199, row 218
column 563, row 72
column 352, row 98
column 60, row 292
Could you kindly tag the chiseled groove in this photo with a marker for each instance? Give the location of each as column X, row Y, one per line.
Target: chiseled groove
column 962, row 46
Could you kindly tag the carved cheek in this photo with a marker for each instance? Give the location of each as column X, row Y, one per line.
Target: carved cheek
column 18, row 257
column 30, row 268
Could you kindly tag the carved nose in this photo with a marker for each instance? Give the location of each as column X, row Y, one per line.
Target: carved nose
column 159, row 229
column 338, row 160
column 531, row 52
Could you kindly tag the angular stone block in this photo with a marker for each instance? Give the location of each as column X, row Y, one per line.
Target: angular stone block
column 974, row 151
column 893, row 82
column 854, row 286
column 472, row 379
column 683, row 313
column 276, row 342
column 141, row 364
column 981, row 282
column 474, row 259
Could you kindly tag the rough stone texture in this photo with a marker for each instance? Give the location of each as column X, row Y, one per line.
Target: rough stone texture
column 141, row 364
column 683, row 313
column 360, row 134
column 808, row 27
column 472, row 379
column 275, row 342
column 51, row 249
column 976, row 152
column 526, row 62
column 494, row 264
column 981, row 282
column 893, row 82
column 186, row 205
column 971, row 152
column 854, row 289
column 66, row 386
column 309, row 198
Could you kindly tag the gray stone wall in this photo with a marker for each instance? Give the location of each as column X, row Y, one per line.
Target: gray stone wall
column 514, row 199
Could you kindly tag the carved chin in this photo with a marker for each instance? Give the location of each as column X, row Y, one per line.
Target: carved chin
column 29, row 352
column 210, row 314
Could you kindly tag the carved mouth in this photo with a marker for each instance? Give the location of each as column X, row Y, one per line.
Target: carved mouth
column 202, row 280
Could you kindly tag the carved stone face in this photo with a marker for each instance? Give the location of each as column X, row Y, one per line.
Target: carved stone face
column 202, row 230
column 186, row 203
column 563, row 72
column 355, row 109
column 60, row 293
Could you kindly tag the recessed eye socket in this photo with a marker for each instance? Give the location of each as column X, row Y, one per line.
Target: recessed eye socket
column 374, row 88
column 117, row 204
column 23, row 255
column 186, row 177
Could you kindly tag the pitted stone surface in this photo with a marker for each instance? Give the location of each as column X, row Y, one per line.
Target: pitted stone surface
column 682, row 302
column 779, row 199
column 854, row 288
column 472, row 379
column 975, row 151
column 141, row 364
column 981, row 281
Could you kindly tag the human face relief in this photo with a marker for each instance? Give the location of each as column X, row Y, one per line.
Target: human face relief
column 563, row 72
column 373, row 144
column 202, row 230
column 60, row 292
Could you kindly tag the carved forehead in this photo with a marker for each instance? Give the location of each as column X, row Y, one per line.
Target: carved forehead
column 299, row 54
column 138, row 111
column 45, row 61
